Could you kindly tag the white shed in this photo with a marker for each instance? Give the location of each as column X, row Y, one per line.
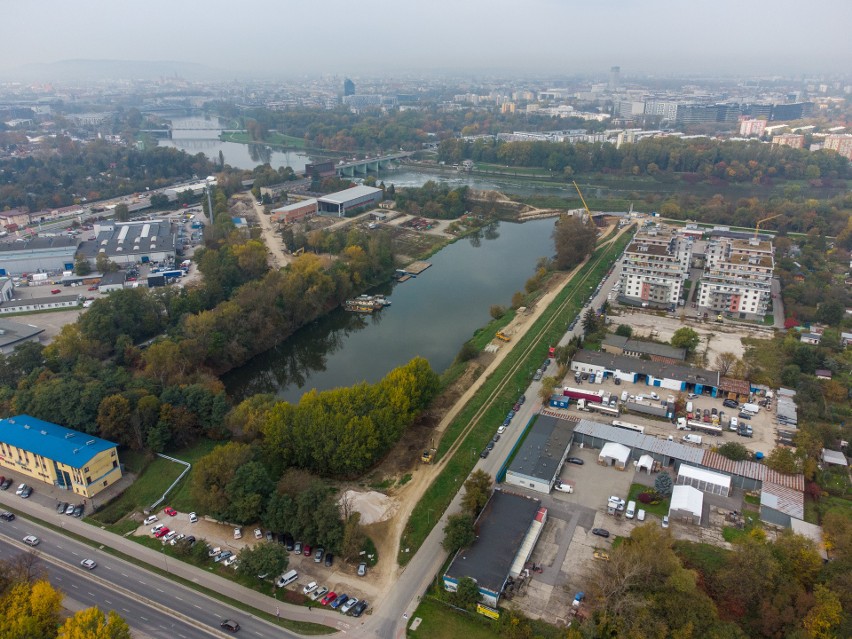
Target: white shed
column 704, row 480
column 613, row 454
column 687, row 504
column 646, row 463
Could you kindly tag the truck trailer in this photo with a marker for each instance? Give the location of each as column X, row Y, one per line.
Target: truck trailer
column 589, row 396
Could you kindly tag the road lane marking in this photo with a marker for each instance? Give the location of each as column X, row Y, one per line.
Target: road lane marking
column 142, row 618
column 125, row 610
column 74, row 585
column 178, row 598
column 197, row 606
column 124, row 574
column 91, row 594
column 107, row 602
column 158, row 590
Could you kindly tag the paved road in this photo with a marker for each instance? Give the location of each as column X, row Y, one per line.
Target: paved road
column 150, row 603
column 43, row 507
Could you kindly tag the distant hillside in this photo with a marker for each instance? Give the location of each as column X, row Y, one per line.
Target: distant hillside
column 112, row 70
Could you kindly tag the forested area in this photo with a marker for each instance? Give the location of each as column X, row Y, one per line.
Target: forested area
column 700, row 159
column 31, row 608
column 96, row 377
column 435, row 200
column 63, row 172
column 655, row 587
column 342, row 130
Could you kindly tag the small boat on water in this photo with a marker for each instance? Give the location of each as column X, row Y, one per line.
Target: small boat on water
column 366, row 303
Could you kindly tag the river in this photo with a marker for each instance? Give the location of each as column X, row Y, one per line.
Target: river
column 431, row 316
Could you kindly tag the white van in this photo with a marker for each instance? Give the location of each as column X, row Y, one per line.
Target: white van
column 692, row 439
column 287, row 578
column 631, row 509
column 624, row 396
column 688, row 407
column 640, row 515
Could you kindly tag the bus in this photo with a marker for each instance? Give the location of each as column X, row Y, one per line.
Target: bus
column 628, row 426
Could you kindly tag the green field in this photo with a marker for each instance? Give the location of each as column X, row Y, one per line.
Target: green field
column 439, row 495
column 154, row 478
column 442, row 622
column 273, row 139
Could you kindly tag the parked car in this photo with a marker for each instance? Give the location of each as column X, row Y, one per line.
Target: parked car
column 348, row 605
column 5, row 485
column 522, row 399
column 484, row 453
column 150, row 520
column 171, row 512
column 258, row 534
column 27, row 492
column 329, row 559
column 157, row 528
column 584, row 377
column 171, row 535
column 496, row 438
column 176, row 539
column 359, row 609
column 238, row 533
column 575, row 460
column 297, row 548
column 229, row 560
column 730, row 403
column 193, row 518
column 489, row 446
column 269, row 537
column 21, row 489
column 501, row 429
column 55, row 291
column 341, row 599
column 222, row 556
column 329, row 597
column 654, row 396
column 516, row 407
column 289, row 544
column 61, row 507
column 189, row 541
column 319, row 553
column 309, row 588
column 362, row 569
column 306, row 550
column 319, row 593
column 665, row 521
column 162, row 532
column 600, row 532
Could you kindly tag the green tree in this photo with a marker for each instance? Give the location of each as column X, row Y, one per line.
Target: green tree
column 458, row 533
column 121, row 213
column 822, row 620
column 477, row 491
column 82, row 266
column 725, row 363
column 159, row 201
column 686, row 338
column 113, row 419
column 574, row 239
column 734, row 451
column 467, row 593
column 263, row 559
column 213, row 473
column 624, row 330
column 91, row 623
column 782, row 460
column 663, row 484
column 548, row 388
column 104, row 265
column 590, row 322
column 497, row 311
column 247, row 492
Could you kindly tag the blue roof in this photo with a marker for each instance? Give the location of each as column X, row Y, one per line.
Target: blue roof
column 64, row 445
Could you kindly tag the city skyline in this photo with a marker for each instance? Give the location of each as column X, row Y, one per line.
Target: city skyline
column 378, row 37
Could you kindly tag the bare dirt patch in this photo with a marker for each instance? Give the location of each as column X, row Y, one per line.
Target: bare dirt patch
column 373, row 506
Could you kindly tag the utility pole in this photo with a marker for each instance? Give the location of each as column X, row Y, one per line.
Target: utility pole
column 209, row 205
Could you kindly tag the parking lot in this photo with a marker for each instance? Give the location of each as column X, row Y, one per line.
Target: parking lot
column 763, row 424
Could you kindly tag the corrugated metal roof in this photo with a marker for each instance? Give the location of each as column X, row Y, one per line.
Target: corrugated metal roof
column 786, row 500
column 342, row 197
column 637, row 440
column 752, row 470
column 702, row 474
column 57, row 443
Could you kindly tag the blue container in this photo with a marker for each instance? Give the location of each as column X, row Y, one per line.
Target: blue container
column 758, row 455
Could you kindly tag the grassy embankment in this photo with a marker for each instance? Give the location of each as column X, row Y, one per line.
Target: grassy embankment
column 154, row 477
column 274, row 139
column 439, row 495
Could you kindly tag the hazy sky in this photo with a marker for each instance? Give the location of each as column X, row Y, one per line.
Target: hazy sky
column 369, row 37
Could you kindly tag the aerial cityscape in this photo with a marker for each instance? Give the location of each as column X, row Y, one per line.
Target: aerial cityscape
column 510, row 320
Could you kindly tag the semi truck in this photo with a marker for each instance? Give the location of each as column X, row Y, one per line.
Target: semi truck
column 589, row 396
column 704, row 427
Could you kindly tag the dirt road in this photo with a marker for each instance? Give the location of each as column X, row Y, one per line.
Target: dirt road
column 277, row 257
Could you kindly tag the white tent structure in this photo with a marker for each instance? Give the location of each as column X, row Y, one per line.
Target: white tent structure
column 646, row 463
column 687, row 504
column 704, row 480
column 613, row 454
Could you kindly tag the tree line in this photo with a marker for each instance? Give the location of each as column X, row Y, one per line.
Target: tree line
column 706, row 159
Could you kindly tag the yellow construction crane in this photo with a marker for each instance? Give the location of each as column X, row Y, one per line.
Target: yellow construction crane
column 766, row 219
column 582, row 199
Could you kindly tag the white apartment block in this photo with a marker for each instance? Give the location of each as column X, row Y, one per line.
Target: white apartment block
column 655, row 266
column 737, row 276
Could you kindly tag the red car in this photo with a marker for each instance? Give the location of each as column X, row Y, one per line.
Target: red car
column 171, row 512
column 162, row 532
column 331, row 596
column 93, row 288
column 55, row 291
column 306, row 551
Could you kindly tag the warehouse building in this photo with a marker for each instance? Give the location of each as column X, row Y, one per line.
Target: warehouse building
column 538, row 461
column 345, row 201
column 509, row 527
column 132, row 242
column 295, row 212
column 620, row 345
column 69, row 459
column 40, row 303
column 687, row 505
column 704, row 480
column 780, row 505
column 13, row 334
column 38, row 255
column 676, row 377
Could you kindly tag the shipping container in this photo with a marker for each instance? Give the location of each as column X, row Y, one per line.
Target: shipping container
column 576, row 393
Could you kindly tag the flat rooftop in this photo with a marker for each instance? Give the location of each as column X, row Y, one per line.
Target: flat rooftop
column 342, row 197
column 501, row 528
column 41, row 243
column 14, row 332
column 132, row 238
column 543, row 448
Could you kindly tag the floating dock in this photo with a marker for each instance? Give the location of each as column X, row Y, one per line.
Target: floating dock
column 403, row 278
column 416, row 268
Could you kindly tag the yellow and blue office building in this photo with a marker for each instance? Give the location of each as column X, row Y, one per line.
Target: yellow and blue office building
column 66, row 458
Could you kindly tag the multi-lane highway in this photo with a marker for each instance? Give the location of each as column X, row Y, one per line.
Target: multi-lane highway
column 152, row 605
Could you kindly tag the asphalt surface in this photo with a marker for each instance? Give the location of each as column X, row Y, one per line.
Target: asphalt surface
column 165, row 605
